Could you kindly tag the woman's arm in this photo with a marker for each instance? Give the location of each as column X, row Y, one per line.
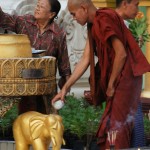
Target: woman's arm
column 63, row 61
column 7, row 21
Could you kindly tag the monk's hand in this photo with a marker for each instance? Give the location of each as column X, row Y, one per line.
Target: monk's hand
column 60, row 96
column 110, row 91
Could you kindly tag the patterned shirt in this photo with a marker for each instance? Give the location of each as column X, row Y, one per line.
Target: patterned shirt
column 53, row 39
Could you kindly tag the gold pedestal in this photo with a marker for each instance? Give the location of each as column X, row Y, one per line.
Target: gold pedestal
column 12, row 82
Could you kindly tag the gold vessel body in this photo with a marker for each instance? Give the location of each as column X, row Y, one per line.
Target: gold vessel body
column 15, row 45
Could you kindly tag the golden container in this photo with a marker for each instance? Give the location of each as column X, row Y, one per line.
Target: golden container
column 12, row 82
column 14, row 45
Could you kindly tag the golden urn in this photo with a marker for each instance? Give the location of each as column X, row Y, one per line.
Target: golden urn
column 14, row 45
column 20, row 74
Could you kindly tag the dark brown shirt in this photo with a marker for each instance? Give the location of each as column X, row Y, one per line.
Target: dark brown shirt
column 53, row 40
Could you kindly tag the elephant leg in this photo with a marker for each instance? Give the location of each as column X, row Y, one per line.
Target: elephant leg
column 58, row 147
column 21, row 146
column 40, row 145
column 19, row 138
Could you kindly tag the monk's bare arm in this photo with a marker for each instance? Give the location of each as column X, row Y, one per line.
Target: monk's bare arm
column 119, row 60
column 80, row 68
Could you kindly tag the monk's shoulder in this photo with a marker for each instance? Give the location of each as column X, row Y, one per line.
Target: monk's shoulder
column 107, row 12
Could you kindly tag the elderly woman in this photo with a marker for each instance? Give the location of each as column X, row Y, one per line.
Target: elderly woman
column 45, row 34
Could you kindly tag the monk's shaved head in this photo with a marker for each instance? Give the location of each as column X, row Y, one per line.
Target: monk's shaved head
column 83, row 11
column 77, row 3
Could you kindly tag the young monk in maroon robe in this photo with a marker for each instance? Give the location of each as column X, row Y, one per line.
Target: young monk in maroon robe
column 121, row 65
column 128, row 9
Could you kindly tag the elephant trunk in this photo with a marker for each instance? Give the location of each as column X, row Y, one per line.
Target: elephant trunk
column 56, row 133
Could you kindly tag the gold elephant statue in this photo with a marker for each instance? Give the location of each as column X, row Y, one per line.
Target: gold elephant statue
column 38, row 130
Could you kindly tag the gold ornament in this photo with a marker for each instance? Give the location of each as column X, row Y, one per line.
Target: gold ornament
column 38, row 130
column 12, row 82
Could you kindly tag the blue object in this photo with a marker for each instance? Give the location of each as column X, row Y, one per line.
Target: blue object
column 138, row 136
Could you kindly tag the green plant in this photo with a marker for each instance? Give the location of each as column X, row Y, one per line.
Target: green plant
column 139, row 29
column 80, row 118
column 147, row 126
column 7, row 120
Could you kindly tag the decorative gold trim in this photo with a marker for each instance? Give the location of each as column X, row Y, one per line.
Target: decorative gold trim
column 112, row 3
column 144, row 3
column 12, row 83
column 104, row 3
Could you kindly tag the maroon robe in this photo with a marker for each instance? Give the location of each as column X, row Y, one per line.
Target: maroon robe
column 120, row 110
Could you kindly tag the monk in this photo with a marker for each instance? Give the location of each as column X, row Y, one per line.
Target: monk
column 128, row 9
column 121, row 66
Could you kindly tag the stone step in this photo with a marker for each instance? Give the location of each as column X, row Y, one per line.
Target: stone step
column 10, row 145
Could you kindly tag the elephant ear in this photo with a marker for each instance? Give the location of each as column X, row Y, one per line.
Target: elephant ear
column 36, row 125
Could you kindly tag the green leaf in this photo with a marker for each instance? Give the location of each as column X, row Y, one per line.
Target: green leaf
column 139, row 28
column 79, row 117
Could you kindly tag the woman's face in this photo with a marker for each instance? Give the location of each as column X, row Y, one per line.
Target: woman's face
column 42, row 10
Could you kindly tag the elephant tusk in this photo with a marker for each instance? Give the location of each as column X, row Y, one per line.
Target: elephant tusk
column 53, row 141
column 64, row 143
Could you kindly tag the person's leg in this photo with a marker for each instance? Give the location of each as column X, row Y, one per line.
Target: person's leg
column 27, row 103
column 41, row 104
column 37, row 103
column 138, row 136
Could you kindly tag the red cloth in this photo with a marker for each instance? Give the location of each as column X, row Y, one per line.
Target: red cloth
column 120, row 110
